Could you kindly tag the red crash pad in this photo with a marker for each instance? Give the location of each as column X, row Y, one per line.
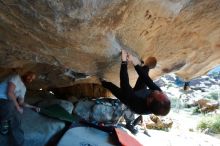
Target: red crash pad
column 125, row 139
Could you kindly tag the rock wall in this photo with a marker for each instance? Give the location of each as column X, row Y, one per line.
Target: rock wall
column 73, row 41
column 81, row 91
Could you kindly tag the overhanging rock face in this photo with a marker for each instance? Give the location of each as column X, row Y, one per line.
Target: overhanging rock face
column 71, row 41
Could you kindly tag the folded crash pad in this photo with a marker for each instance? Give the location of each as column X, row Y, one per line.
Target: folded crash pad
column 58, row 112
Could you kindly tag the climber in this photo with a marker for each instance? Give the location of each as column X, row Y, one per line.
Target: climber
column 186, row 86
column 12, row 92
column 139, row 100
column 149, row 63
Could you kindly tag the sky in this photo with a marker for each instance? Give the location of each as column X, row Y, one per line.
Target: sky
column 216, row 69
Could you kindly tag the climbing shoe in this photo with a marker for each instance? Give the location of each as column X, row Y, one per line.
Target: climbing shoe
column 4, row 126
column 131, row 128
column 138, row 120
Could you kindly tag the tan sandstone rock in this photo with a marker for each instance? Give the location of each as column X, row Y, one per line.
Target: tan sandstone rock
column 68, row 42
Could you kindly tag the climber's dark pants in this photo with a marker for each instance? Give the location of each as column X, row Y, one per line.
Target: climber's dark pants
column 8, row 112
column 125, row 94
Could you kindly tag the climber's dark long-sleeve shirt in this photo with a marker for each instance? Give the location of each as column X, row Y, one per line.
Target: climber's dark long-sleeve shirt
column 135, row 98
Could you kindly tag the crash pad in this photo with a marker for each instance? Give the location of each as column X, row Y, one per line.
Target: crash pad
column 58, row 112
column 125, row 139
column 85, row 136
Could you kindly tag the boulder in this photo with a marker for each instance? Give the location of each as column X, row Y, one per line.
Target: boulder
column 39, row 129
column 157, row 123
column 69, row 42
column 107, row 111
column 206, row 105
